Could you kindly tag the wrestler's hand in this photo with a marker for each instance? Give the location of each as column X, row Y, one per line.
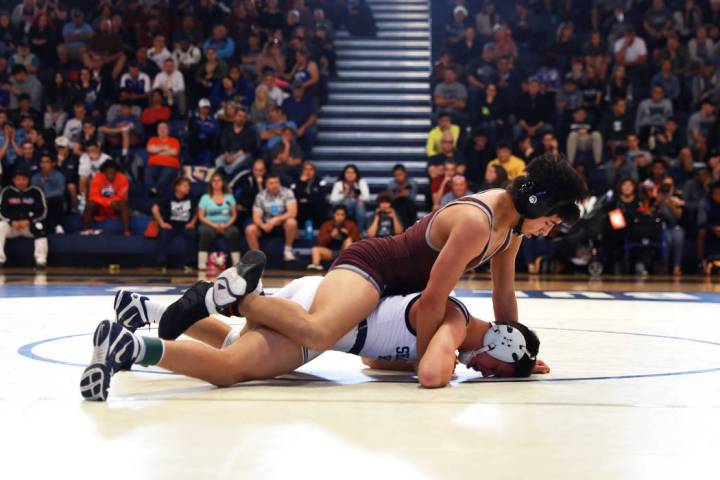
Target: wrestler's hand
column 541, row 367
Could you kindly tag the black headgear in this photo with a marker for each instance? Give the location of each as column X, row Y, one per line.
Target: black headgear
column 532, row 200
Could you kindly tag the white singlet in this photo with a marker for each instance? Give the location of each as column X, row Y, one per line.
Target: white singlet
column 385, row 335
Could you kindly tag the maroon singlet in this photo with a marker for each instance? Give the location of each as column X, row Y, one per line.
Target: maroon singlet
column 401, row 264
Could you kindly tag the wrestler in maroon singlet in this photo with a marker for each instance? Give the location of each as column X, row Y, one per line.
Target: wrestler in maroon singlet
column 401, row 264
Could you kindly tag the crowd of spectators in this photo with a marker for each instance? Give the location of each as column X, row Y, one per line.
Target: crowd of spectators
column 626, row 91
column 126, row 106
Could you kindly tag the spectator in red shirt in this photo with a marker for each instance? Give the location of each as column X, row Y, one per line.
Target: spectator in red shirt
column 163, row 161
column 335, row 235
column 155, row 113
column 108, row 198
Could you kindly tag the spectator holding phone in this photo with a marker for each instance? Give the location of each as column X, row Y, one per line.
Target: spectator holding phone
column 335, row 235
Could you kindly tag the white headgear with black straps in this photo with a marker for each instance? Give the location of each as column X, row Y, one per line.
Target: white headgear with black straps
column 503, row 342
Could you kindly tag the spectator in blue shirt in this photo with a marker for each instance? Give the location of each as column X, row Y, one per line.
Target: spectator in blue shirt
column 76, row 34
column 302, row 110
column 668, row 80
column 224, row 46
column 52, row 184
column 271, row 132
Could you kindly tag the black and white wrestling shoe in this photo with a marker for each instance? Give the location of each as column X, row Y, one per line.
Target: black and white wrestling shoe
column 115, row 349
column 205, row 298
column 234, row 283
column 131, row 309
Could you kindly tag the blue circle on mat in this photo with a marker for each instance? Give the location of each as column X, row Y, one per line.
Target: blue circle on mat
column 27, row 351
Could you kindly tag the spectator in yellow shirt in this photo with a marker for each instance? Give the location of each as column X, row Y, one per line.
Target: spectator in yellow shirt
column 509, row 162
column 433, row 145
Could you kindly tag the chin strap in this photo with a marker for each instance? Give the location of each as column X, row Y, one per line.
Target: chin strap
column 501, row 342
column 517, row 229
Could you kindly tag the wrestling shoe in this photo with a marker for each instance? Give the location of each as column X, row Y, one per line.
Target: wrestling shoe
column 131, row 309
column 115, row 349
column 236, row 282
column 190, row 308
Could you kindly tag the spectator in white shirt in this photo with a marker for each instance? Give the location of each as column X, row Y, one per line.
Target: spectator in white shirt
column 186, row 55
column 89, row 164
column 172, row 84
column 158, row 53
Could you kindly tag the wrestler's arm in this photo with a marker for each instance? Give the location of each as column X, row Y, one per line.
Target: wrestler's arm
column 467, row 237
column 503, row 280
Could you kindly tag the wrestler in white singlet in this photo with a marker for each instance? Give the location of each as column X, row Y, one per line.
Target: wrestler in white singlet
column 385, row 335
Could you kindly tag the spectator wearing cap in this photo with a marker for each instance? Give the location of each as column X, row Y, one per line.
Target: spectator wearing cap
column 274, row 212
column 454, row 28
column 450, row 96
column 301, row 109
column 52, row 184
column 433, row 145
column 534, row 112
column 203, row 135
column 108, row 198
column 224, row 46
column 23, row 56
column 67, row 163
column 653, row 112
column 584, row 137
column 163, row 163
column 458, row 190
column 239, row 145
column 23, row 83
column 22, row 214
column 105, row 49
column 699, row 128
column 76, row 34
column 172, row 83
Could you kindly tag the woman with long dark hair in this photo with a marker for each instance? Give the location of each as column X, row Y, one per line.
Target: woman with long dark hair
column 353, row 192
